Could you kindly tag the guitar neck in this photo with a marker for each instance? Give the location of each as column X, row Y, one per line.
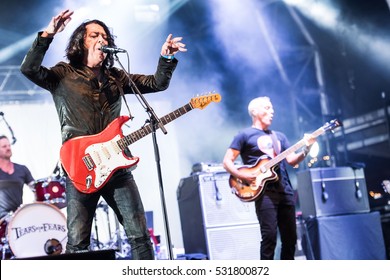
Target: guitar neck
column 147, row 129
column 292, row 149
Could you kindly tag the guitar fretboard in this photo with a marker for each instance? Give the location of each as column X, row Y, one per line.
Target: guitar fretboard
column 292, row 149
column 147, row 129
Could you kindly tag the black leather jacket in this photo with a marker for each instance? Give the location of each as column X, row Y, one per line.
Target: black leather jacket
column 84, row 107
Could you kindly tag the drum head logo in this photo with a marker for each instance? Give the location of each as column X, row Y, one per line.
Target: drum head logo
column 45, row 227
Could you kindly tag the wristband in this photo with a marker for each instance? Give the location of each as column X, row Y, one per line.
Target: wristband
column 168, row 56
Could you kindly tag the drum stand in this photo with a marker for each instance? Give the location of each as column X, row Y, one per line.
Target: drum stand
column 93, row 240
column 97, row 234
column 5, row 248
column 115, row 240
column 121, row 244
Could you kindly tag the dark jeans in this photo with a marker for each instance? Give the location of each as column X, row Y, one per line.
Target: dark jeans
column 121, row 194
column 275, row 210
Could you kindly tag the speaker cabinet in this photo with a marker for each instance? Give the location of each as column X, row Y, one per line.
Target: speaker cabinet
column 214, row 220
column 234, row 242
column 345, row 237
column 332, row 191
column 385, row 217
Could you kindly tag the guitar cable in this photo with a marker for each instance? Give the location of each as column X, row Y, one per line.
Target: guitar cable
column 324, row 194
column 218, row 196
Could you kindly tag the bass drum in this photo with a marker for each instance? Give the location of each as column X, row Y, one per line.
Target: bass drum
column 37, row 229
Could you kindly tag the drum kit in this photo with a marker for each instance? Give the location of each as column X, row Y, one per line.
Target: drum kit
column 35, row 229
column 39, row 228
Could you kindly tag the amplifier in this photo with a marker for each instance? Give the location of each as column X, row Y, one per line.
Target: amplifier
column 332, row 191
column 213, row 219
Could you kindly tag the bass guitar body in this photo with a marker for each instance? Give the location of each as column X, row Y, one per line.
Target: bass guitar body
column 250, row 192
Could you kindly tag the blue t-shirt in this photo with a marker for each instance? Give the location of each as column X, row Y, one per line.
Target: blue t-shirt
column 256, row 144
column 21, row 173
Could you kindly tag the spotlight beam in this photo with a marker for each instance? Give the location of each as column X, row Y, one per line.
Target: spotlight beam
column 11, row 50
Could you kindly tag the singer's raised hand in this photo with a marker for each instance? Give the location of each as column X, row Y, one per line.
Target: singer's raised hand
column 172, row 46
column 58, row 23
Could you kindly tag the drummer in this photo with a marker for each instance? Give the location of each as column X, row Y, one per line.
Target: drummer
column 13, row 177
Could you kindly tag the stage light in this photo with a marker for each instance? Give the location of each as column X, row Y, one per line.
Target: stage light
column 323, row 13
column 315, row 149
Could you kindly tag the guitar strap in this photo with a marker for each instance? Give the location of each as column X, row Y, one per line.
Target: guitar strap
column 275, row 142
column 127, row 150
column 124, row 98
column 276, row 149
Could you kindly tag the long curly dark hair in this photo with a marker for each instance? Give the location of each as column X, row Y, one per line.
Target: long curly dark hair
column 75, row 50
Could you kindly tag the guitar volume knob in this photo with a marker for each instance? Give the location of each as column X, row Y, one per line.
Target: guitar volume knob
column 88, row 181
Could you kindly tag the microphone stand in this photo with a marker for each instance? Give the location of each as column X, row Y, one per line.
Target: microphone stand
column 155, row 121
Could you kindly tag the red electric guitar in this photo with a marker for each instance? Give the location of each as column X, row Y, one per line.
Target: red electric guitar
column 265, row 168
column 91, row 160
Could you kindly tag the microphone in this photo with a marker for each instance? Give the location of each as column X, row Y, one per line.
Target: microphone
column 107, row 49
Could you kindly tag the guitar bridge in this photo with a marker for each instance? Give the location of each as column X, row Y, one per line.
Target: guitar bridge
column 88, row 161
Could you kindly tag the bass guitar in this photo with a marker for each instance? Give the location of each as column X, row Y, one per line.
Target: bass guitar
column 91, row 160
column 264, row 168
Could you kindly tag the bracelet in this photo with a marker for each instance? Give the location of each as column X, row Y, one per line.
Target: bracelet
column 168, row 56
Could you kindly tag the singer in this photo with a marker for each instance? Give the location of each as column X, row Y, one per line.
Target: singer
column 87, row 92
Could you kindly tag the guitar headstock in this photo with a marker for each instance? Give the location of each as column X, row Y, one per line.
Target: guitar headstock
column 331, row 125
column 201, row 102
